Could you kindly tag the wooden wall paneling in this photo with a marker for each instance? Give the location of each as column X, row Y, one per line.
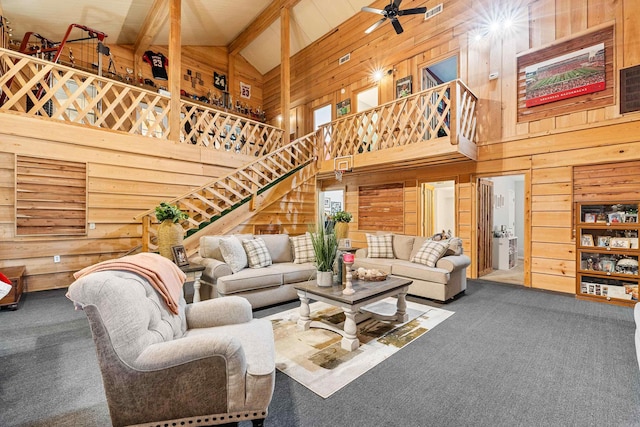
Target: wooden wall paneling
column 631, row 33
column 378, row 207
column 542, row 25
column 611, row 182
column 411, row 208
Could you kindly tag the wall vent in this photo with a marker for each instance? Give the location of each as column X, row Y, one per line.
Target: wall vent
column 344, row 59
column 433, row 12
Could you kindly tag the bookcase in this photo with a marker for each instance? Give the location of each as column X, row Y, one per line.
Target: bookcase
column 607, row 252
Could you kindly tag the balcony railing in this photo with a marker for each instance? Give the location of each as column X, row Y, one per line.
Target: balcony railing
column 42, row 88
column 445, row 111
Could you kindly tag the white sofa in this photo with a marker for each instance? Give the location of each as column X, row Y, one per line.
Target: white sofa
column 262, row 286
column 442, row 282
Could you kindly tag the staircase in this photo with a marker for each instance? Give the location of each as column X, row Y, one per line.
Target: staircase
column 238, row 192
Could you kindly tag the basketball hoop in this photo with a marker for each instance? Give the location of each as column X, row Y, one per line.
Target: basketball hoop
column 341, row 165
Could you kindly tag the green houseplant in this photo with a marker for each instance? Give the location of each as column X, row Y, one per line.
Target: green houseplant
column 342, row 220
column 170, row 232
column 325, row 247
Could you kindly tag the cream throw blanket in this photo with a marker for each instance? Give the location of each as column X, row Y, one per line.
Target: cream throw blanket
column 162, row 274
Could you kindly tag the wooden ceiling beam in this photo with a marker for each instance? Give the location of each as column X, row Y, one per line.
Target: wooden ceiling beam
column 154, row 21
column 260, row 24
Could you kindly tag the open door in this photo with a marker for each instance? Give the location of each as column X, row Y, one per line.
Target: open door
column 485, row 227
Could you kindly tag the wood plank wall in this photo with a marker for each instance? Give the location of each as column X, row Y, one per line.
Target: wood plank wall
column 126, row 175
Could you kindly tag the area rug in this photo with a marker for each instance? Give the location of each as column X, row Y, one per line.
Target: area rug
column 315, row 359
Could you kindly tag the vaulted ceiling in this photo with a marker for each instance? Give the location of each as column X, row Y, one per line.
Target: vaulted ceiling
column 204, row 22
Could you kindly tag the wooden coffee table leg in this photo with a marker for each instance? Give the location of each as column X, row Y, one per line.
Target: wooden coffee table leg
column 349, row 338
column 304, row 322
column 401, row 308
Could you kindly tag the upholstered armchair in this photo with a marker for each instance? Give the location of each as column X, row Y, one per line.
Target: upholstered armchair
column 210, row 364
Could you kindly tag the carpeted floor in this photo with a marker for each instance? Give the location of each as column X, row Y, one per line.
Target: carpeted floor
column 509, row 356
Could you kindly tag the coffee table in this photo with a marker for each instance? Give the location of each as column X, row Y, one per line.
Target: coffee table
column 365, row 294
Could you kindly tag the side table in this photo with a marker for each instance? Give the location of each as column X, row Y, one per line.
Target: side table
column 16, row 275
column 194, row 271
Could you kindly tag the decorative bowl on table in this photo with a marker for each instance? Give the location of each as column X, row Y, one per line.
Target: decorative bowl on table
column 369, row 275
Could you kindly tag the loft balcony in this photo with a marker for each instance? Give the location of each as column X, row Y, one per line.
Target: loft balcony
column 435, row 126
column 431, row 127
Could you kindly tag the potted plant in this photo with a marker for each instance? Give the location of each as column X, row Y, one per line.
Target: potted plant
column 325, row 246
column 342, row 220
column 170, row 232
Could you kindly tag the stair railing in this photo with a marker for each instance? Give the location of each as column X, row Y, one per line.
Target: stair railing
column 214, row 200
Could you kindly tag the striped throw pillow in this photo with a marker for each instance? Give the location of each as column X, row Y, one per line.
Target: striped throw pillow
column 430, row 252
column 380, row 246
column 302, row 248
column 257, row 252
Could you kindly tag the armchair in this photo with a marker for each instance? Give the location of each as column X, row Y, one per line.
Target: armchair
column 210, row 364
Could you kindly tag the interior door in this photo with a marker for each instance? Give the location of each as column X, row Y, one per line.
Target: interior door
column 485, row 227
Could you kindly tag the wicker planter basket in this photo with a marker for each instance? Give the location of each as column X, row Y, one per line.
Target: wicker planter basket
column 169, row 234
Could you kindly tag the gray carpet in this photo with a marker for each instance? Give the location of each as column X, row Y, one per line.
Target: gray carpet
column 509, row 356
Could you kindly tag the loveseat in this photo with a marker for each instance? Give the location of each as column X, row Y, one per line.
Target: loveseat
column 437, row 267
column 264, row 275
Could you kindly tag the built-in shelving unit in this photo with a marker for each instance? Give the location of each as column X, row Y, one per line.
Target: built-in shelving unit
column 607, row 252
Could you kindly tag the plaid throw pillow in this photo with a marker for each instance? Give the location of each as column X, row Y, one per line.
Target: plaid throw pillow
column 380, row 246
column 302, row 249
column 430, row 252
column 257, row 252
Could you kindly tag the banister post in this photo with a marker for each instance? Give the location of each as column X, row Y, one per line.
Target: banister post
column 454, row 102
column 146, row 224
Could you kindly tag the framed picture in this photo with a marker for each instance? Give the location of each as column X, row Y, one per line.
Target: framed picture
column 615, row 217
column 343, row 107
column 587, row 240
column 404, row 87
column 589, row 217
column 179, row 255
column 620, row 242
column 603, row 241
column 630, row 217
column 344, row 243
column 545, row 79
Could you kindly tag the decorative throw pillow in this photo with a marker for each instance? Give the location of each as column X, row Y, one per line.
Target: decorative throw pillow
column 380, row 246
column 257, row 252
column 302, row 249
column 430, row 252
column 233, row 253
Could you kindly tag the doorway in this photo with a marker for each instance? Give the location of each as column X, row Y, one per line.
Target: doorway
column 501, row 225
column 438, row 208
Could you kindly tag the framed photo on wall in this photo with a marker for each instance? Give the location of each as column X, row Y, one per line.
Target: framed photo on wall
column 404, row 87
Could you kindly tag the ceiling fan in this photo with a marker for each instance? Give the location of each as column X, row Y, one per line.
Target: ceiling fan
column 391, row 12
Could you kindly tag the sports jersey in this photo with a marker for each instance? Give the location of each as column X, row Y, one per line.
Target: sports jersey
column 158, row 63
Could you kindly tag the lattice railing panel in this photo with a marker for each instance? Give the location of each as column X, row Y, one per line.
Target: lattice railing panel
column 424, row 116
column 42, row 88
column 218, row 130
column 214, row 199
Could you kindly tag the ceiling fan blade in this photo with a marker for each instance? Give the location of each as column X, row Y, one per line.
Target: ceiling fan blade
column 374, row 26
column 372, row 10
column 396, row 3
column 397, row 26
column 414, row 11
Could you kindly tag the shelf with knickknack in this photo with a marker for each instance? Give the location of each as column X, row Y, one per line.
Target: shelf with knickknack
column 608, row 252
